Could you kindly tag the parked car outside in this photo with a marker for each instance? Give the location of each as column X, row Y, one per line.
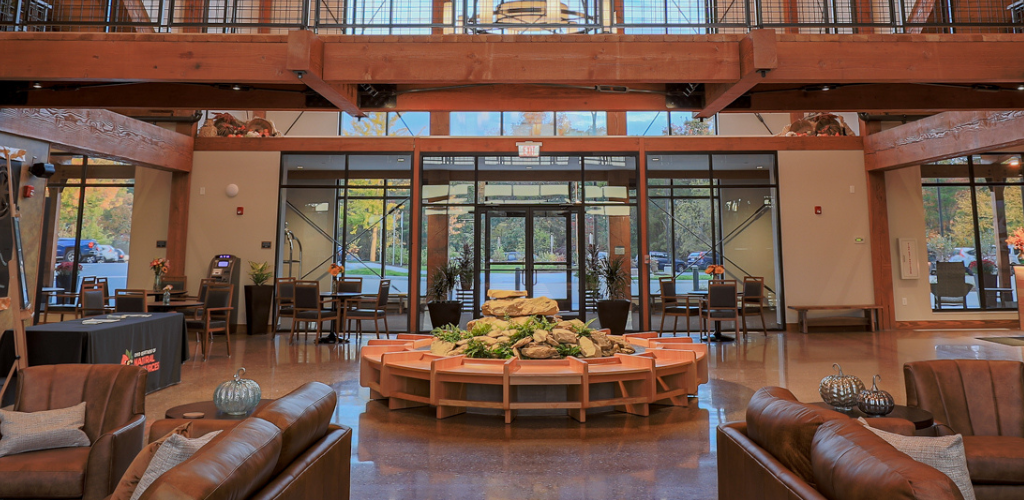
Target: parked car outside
column 87, row 249
column 661, row 260
column 964, row 255
column 121, row 256
column 106, row 253
column 698, row 260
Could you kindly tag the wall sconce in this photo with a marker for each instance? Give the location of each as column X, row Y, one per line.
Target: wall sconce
column 231, row 190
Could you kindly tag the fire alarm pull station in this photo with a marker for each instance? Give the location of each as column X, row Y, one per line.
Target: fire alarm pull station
column 817, row 211
column 239, row 211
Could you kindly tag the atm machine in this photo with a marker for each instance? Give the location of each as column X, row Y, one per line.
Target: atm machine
column 225, row 269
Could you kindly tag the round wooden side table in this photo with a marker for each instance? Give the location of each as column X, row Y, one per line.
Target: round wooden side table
column 922, row 419
column 209, row 410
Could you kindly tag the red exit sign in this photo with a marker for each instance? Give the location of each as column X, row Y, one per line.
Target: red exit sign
column 529, row 149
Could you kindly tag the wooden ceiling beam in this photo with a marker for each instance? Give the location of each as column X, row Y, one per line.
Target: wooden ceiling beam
column 306, row 61
column 757, row 57
column 530, row 98
column 507, row 145
column 880, row 98
column 622, row 59
column 945, row 135
column 102, row 134
column 167, row 96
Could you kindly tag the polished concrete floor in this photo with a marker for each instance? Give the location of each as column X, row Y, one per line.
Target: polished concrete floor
column 671, row 454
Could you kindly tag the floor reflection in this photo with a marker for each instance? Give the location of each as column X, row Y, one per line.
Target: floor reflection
column 671, row 454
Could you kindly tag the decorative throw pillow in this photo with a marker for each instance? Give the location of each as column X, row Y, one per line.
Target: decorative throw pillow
column 175, row 450
column 945, row 453
column 130, row 480
column 42, row 430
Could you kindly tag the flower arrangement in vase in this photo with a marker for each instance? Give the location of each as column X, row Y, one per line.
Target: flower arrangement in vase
column 335, row 270
column 716, row 271
column 159, row 266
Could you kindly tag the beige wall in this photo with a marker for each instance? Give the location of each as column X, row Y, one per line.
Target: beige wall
column 906, row 220
column 213, row 227
column 306, row 124
column 151, row 204
column 822, row 264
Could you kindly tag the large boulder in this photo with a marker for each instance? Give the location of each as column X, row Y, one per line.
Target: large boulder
column 505, row 294
column 539, row 351
column 539, row 306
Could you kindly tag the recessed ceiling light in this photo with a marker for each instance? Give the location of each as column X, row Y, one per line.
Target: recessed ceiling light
column 1020, row 86
column 236, row 87
column 401, row 160
column 655, row 158
column 759, row 167
column 37, row 85
column 825, row 88
column 1014, row 162
column 298, row 166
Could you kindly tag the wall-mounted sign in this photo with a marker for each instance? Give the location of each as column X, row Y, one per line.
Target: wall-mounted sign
column 529, row 149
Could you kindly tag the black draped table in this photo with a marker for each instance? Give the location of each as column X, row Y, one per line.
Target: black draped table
column 157, row 342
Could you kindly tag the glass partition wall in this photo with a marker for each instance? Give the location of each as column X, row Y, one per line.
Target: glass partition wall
column 352, row 210
column 526, row 224
column 708, row 209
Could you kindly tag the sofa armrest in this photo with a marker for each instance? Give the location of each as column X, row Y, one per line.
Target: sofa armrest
column 110, row 456
column 894, row 425
column 322, row 471
column 762, row 475
column 201, row 426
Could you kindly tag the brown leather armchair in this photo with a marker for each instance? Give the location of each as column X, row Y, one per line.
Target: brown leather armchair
column 984, row 401
column 115, row 421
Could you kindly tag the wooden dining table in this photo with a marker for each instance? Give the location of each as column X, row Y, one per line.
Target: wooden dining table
column 717, row 337
column 333, row 337
column 173, row 305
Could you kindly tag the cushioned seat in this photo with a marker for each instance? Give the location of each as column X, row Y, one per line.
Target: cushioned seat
column 62, row 471
column 995, row 459
column 314, row 314
column 198, row 324
column 681, row 310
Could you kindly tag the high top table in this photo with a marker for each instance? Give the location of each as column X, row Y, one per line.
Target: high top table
column 157, row 342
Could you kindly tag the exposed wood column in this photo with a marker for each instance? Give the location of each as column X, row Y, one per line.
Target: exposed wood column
column 758, row 56
column 792, row 15
column 945, row 135
column 177, row 220
column 881, row 256
column 306, row 60
column 642, row 264
column 440, row 123
column 415, row 243
column 616, row 122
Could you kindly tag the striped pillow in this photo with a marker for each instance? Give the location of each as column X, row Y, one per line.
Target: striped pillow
column 42, row 430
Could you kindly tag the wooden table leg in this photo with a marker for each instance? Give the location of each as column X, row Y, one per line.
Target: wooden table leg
column 803, row 321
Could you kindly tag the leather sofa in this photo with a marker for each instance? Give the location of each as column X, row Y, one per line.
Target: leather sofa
column 984, row 401
column 115, row 421
column 791, row 450
column 287, row 450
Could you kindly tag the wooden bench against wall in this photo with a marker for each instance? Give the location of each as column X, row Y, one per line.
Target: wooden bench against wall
column 870, row 317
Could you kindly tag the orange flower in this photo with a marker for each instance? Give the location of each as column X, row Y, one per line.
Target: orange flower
column 715, row 269
column 1017, row 239
column 336, row 269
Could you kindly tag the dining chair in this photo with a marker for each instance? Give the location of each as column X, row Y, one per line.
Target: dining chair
column 721, row 305
column 130, row 301
column 675, row 306
column 204, row 285
column 371, row 308
column 753, row 301
column 309, row 307
column 64, row 303
column 349, row 285
column 92, row 301
column 950, row 285
column 284, row 298
column 216, row 317
column 178, row 283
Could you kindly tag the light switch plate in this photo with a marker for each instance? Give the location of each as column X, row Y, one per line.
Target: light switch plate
column 265, row 244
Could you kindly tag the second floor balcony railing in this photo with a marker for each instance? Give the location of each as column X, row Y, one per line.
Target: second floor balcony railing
column 476, row 17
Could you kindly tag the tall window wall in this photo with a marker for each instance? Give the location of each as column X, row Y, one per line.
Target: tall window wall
column 92, row 199
column 713, row 209
column 658, row 123
column 524, row 124
column 352, row 210
column 972, row 205
column 527, row 223
column 384, row 124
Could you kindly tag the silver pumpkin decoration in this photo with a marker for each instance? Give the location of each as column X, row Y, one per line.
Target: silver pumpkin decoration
column 841, row 392
column 237, row 397
column 876, row 402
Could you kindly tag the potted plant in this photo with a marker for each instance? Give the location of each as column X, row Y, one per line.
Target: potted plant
column 259, row 298
column 613, row 309
column 467, row 273
column 443, row 310
column 591, row 274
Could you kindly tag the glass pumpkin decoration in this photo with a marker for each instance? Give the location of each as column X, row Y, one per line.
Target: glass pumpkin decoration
column 876, row 402
column 841, row 392
column 237, row 397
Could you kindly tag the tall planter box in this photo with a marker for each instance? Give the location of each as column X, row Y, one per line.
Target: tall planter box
column 258, row 302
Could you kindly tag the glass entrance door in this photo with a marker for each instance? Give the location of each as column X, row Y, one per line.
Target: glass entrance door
column 532, row 249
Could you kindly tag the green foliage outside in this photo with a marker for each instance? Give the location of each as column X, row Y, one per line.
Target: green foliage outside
column 106, row 217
